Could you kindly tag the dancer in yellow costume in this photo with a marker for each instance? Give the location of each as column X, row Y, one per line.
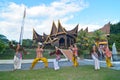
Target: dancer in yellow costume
column 39, row 56
column 108, row 55
column 75, row 55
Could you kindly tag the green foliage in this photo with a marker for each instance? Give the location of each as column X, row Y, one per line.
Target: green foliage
column 27, row 43
column 98, row 35
column 84, row 42
column 3, row 43
column 4, row 38
column 2, row 46
column 114, row 35
column 114, row 38
column 49, row 46
column 115, row 28
column 13, row 42
column 9, row 53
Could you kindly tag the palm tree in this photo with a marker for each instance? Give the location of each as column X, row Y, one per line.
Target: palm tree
column 98, row 36
column 84, row 41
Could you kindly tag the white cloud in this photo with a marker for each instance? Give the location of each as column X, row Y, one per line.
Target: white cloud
column 39, row 17
column 112, row 21
column 91, row 27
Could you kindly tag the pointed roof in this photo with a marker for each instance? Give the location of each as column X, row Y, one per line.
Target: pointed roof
column 55, row 34
column 86, row 30
column 74, row 31
column 36, row 36
column 60, row 30
column 54, row 29
column 106, row 28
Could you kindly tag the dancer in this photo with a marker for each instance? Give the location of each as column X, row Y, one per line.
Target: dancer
column 75, row 56
column 57, row 52
column 95, row 57
column 108, row 56
column 100, row 51
column 18, row 55
column 39, row 56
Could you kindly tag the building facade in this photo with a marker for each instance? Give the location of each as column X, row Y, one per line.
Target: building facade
column 58, row 36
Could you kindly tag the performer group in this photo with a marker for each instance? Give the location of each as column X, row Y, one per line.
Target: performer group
column 19, row 50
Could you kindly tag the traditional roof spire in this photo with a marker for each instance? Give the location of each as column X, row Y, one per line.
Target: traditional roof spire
column 106, row 28
column 54, row 29
column 36, row 36
column 60, row 28
column 86, row 29
column 74, row 31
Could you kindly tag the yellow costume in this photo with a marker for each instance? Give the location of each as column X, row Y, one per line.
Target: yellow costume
column 74, row 60
column 108, row 62
column 38, row 59
column 108, row 57
column 75, row 55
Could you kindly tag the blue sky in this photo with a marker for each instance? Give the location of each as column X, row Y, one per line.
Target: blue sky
column 40, row 14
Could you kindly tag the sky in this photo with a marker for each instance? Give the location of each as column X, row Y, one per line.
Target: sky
column 40, row 15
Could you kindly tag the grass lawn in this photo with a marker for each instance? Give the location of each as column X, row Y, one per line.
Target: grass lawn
column 65, row 73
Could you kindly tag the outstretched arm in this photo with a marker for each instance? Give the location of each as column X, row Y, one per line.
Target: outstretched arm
column 52, row 53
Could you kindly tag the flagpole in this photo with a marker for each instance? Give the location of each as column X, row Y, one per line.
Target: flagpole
column 22, row 27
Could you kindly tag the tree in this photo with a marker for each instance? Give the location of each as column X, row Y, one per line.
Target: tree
column 3, row 43
column 2, row 46
column 84, row 41
column 114, row 38
column 27, row 43
column 114, row 35
column 98, row 36
column 4, row 38
column 115, row 28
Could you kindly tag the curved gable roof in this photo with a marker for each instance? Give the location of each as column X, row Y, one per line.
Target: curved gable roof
column 106, row 28
column 60, row 30
column 74, row 31
column 36, row 36
column 54, row 29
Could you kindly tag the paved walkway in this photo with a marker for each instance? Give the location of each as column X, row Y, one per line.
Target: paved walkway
column 7, row 65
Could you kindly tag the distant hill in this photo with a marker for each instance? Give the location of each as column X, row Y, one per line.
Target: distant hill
column 115, row 28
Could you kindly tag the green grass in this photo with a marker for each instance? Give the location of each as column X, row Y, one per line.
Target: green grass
column 65, row 73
